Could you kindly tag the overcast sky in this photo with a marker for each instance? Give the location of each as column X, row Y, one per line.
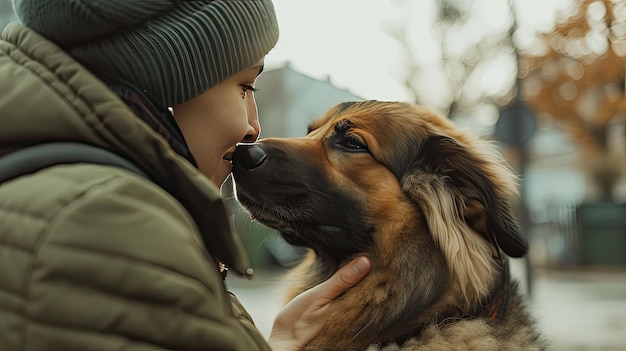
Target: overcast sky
column 345, row 40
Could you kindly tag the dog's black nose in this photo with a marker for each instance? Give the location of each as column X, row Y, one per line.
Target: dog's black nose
column 248, row 156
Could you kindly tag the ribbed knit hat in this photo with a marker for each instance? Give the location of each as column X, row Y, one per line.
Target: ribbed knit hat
column 174, row 50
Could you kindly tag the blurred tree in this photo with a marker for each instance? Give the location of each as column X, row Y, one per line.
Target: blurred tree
column 467, row 48
column 575, row 75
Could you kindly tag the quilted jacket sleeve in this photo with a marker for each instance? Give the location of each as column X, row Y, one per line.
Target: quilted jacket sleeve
column 138, row 278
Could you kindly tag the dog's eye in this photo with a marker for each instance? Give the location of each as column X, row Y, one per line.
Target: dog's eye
column 351, row 143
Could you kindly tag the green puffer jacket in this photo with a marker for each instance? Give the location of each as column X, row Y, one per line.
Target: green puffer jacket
column 95, row 257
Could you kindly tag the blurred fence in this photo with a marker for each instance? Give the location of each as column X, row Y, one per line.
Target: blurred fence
column 582, row 235
column 562, row 236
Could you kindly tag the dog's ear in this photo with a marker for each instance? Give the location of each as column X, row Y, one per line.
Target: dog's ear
column 478, row 185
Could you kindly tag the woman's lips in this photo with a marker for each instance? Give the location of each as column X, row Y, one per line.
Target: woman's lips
column 228, row 156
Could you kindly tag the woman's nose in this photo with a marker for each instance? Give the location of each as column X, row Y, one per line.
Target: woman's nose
column 253, row 133
column 254, row 126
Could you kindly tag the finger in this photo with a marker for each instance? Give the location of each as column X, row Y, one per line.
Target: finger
column 345, row 278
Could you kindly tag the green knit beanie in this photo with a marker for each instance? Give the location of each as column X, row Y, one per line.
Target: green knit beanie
column 173, row 50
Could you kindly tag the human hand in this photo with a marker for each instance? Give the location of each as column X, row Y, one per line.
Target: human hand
column 303, row 317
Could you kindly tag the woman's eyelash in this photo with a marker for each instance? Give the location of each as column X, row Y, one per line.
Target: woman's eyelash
column 249, row 87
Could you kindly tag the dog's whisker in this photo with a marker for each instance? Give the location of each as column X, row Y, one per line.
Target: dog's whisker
column 362, row 329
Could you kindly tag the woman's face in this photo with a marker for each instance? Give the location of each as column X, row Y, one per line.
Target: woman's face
column 213, row 122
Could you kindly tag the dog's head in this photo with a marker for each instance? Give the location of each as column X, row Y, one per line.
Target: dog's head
column 381, row 178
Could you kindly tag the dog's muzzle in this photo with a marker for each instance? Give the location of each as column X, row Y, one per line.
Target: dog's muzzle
column 249, row 156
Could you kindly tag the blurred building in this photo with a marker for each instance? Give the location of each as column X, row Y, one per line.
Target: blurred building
column 288, row 101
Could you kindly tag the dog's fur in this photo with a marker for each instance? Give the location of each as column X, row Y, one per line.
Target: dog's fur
column 430, row 205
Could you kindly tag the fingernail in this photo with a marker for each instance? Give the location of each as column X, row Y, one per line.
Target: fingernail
column 361, row 265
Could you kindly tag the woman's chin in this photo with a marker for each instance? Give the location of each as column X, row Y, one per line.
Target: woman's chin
column 220, row 174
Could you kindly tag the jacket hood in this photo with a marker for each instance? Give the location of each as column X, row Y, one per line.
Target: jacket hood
column 47, row 96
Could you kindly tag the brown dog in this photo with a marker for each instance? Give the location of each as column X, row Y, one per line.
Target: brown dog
column 428, row 204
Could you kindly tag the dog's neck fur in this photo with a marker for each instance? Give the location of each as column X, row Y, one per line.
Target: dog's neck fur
column 427, row 293
column 400, row 327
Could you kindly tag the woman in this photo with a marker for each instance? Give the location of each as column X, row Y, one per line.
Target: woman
column 94, row 257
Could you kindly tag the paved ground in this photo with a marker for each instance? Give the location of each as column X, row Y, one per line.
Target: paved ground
column 577, row 310
column 582, row 310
